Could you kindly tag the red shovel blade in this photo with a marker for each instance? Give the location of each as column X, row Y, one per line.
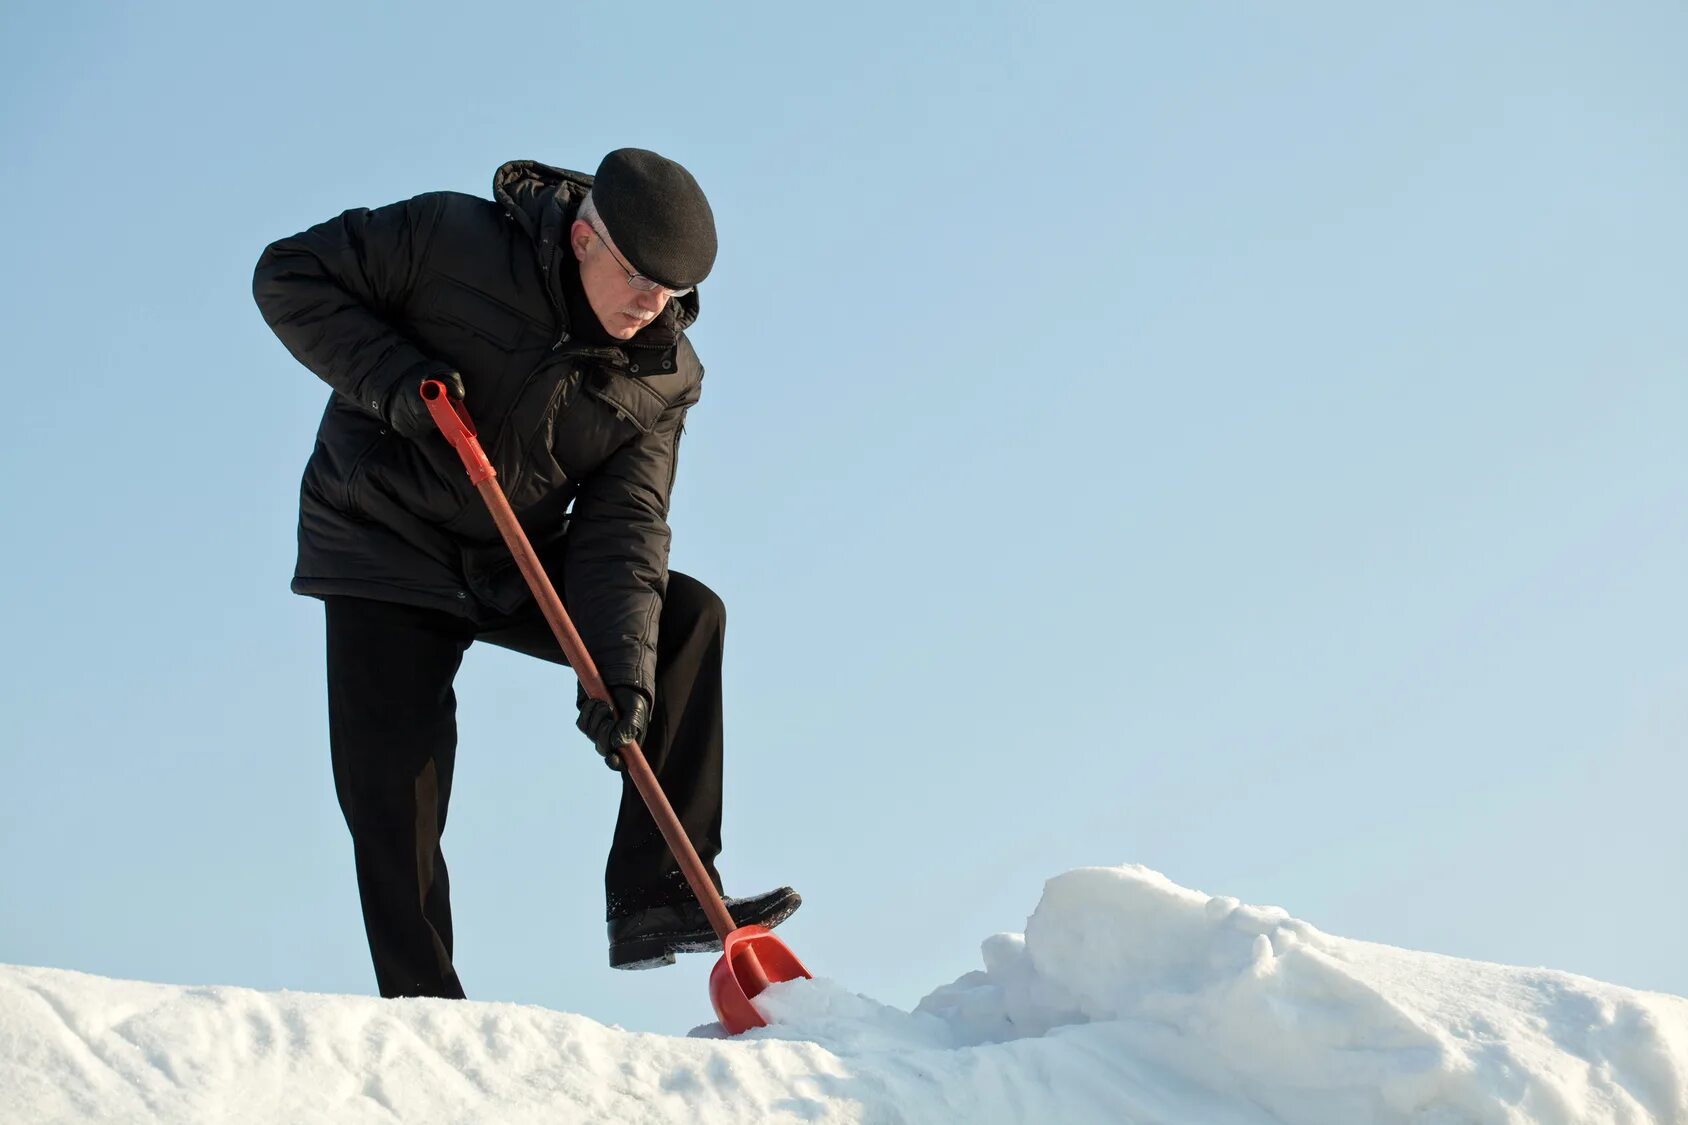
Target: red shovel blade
column 751, row 960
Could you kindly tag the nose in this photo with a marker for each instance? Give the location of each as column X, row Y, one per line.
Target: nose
column 652, row 299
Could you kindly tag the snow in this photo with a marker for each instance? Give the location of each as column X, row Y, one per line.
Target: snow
column 1127, row 999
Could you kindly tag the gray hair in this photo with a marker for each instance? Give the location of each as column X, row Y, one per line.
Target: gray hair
column 589, row 211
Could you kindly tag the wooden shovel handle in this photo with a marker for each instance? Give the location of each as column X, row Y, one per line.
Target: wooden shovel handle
column 453, row 421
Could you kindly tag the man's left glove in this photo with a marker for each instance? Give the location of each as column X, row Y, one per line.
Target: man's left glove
column 607, row 732
column 407, row 410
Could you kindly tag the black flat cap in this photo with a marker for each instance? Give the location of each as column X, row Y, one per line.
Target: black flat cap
column 657, row 215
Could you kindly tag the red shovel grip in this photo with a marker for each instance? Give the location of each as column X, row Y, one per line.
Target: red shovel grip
column 454, row 422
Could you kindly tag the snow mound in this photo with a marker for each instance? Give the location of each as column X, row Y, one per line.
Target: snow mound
column 1315, row 1028
column 1127, row 999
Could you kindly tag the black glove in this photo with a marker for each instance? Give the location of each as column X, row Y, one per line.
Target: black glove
column 407, row 410
column 607, row 732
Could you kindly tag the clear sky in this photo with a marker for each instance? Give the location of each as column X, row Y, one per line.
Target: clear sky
column 1245, row 440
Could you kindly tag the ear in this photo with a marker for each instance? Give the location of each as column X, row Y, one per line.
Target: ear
column 580, row 238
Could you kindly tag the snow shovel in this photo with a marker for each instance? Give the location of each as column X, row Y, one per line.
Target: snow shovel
column 751, row 957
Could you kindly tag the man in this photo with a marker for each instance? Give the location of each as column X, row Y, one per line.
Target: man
column 557, row 311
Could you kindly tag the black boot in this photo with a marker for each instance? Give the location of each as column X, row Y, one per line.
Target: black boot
column 649, row 938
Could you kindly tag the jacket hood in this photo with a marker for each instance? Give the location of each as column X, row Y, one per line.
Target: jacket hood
column 540, row 196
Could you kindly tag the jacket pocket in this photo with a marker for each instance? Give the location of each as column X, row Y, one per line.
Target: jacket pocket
column 631, row 400
column 423, row 479
column 463, row 306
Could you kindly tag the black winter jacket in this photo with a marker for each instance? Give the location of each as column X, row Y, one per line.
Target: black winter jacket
column 452, row 282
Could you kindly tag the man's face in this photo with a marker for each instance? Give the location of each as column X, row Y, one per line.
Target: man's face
column 621, row 309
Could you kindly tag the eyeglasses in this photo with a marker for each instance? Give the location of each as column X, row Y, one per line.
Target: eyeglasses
column 638, row 280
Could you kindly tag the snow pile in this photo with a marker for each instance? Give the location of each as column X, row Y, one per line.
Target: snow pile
column 1128, row 999
column 1249, row 1001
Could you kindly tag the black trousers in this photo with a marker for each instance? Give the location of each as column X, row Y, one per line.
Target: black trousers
column 392, row 721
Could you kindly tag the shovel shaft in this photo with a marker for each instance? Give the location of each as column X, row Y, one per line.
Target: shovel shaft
column 454, row 422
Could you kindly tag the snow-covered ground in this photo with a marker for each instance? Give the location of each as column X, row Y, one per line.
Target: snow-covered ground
column 1127, row 999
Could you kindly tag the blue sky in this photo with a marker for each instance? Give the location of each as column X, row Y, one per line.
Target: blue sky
column 1245, row 442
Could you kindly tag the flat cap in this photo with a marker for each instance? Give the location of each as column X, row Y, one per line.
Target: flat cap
column 657, row 215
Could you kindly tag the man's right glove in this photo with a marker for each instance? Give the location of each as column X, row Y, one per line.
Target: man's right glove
column 607, row 732
column 407, row 411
